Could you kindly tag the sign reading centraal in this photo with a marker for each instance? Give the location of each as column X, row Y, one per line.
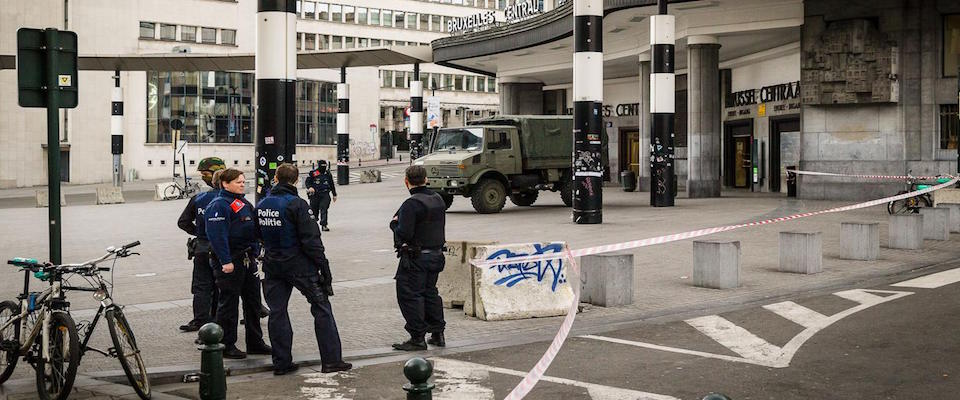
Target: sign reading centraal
column 517, row 12
column 766, row 94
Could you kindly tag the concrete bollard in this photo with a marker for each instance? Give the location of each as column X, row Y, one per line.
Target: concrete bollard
column 43, row 199
column 109, row 195
column 801, row 252
column 716, row 264
column 607, row 279
column 905, row 232
column 213, row 378
column 954, row 224
column 860, row 241
column 936, row 223
column 418, row 372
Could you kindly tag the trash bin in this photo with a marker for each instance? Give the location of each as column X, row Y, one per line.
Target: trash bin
column 629, row 180
column 791, row 181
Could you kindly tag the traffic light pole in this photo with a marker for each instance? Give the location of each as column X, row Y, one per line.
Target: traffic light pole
column 53, row 144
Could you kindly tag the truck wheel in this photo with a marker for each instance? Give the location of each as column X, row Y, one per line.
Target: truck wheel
column 524, row 199
column 447, row 199
column 566, row 192
column 488, row 196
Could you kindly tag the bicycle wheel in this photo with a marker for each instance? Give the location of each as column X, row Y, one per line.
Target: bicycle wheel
column 902, row 206
column 11, row 337
column 55, row 376
column 125, row 346
column 171, row 192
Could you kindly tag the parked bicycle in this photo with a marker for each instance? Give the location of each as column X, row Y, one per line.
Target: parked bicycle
column 915, row 203
column 177, row 191
column 124, row 348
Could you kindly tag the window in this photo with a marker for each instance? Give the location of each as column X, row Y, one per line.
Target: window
column 387, row 78
column 362, row 15
column 336, row 14
column 323, row 11
column 299, row 40
column 949, row 126
column 349, row 15
column 316, row 112
column 228, row 36
column 350, row 42
column 481, row 84
column 435, row 81
column 498, row 140
column 424, row 22
column 447, row 81
column 363, row 43
column 411, row 20
column 309, row 10
column 374, row 42
column 323, row 41
column 147, row 30
column 310, row 42
column 168, row 32
column 188, row 33
column 336, row 42
column 215, row 107
column 435, row 26
column 468, row 81
column 209, row 35
column 491, row 85
column 398, row 21
column 374, row 18
column 458, row 82
column 398, row 79
column 388, row 43
column 951, row 44
column 387, row 18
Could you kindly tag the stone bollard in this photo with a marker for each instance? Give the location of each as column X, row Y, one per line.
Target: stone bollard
column 213, row 378
column 860, row 241
column 936, row 222
column 716, row 264
column 607, row 279
column 418, row 372
column 905, row 232
column 801, row 252
column 954, row 216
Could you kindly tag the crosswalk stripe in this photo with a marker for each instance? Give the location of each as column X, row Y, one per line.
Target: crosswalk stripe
column 932, row 281
column 860, row 296
column 801, row 315
column 735, row 338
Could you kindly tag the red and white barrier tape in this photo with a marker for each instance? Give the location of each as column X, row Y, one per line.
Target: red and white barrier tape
column 895, row 177
column 535, row 374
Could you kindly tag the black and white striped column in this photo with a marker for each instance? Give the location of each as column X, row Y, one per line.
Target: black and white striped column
column 276, row 71
column 343, row 129
column 662, row 104
column 416, row 114
column 116, row 130
column 587, row 119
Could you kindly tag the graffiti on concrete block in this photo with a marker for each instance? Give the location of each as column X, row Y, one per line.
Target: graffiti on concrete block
column 551, row 269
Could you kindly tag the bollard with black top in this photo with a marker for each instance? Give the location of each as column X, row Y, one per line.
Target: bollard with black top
column 213, row 378
column 418, row 372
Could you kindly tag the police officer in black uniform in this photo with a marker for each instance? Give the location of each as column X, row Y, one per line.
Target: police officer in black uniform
column 294, row 258
column 418, row 228
column 203, row 286
column 319, row 188
column 232, row 231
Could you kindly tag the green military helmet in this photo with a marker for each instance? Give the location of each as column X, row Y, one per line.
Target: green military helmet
column 212, row 164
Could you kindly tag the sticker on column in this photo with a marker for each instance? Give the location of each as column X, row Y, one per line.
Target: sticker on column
column 280, row 158
column 268, row 140
column 263, row 161
column 273, row 165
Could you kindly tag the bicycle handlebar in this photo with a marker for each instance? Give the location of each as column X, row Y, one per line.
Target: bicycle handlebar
column 34, row 265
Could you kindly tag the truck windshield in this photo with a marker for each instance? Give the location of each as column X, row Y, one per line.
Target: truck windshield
column 459, row 139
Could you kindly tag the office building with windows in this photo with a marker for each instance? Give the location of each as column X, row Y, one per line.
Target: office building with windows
column 216, row 103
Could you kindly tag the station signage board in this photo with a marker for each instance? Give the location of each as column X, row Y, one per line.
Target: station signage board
column 520, row 11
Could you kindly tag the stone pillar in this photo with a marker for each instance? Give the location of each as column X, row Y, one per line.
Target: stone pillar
column 521, row 98
column 644, row 123
column 703, row 114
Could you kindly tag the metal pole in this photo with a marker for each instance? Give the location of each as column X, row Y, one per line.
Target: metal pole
column 587, row 119
column 116, row 127
column 416, row 114
column 662, row 92
column 53, row 143
column 343, row 129
column 276, row 71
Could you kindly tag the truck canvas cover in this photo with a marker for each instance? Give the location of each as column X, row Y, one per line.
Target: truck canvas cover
column 547, row 140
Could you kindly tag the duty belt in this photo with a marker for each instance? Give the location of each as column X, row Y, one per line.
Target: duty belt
column 437, row 250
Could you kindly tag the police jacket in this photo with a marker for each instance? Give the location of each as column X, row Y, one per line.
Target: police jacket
column 421, row 220
column 231, row 228
column 291, row 238
column 321, row 182
column 191, row 219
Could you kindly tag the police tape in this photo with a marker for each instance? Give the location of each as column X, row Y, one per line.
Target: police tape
column 893, row 177
column 536, row 373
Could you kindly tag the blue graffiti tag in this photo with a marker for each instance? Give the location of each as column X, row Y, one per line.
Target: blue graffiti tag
column 537, row 269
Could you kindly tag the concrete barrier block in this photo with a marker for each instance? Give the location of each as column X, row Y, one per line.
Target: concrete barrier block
column 936, row 223
column 905, row 232
column 370, row 176
column 801, row 252
column 954, row 224
column 716, row 264
column 43, row 199
column 455, row 282
column 161, row 190
column 946, row 195
column 607, row 279
column 109, row 195
column 522, row 290
column 860, row 241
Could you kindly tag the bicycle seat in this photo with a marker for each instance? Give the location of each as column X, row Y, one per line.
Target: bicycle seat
column 24, row 262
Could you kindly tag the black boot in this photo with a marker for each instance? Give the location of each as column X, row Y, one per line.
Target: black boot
column 412, row 344
column 233, row 353
column 191, row 326
column 436, row 339
column 336, row 367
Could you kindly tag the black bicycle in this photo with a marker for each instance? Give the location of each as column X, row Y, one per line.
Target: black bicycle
column 912, row 205
column 125, row 347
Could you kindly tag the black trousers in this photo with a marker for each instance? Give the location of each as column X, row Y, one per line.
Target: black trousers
column 204, row 289
column 277, row 290
column 417, row 295
column 241, row 283
column 319, row 204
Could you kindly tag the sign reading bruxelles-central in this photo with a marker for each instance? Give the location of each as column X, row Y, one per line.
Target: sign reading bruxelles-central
column 515, row 13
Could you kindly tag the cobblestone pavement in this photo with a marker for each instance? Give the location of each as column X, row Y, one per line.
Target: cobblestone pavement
column 156, row 284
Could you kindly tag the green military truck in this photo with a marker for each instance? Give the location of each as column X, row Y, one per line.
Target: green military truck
column 514, row 156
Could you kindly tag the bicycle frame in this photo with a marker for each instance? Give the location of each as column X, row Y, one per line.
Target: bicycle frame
column 50, row 297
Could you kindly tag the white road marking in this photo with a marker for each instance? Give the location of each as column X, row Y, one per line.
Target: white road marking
column 597, row 392
column 757, row 351
column 932, row 281
column 801, row 315
column 457, row 380
column 146, row 275
column 329, row 388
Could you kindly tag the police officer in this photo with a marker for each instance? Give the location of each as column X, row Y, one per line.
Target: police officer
column 203, row 287
column 232, row 232
column 294, row 258
column 319, row 188
column 418, row 228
